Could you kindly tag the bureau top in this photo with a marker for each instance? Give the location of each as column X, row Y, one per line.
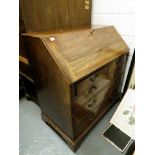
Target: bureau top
column 80, row 52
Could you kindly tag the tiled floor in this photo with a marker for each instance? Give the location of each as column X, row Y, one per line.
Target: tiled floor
column 36, row 138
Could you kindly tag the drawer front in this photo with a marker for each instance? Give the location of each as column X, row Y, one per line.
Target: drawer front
column 110, row 73
column 97, row 102
column 91, row 85
column 87, row 112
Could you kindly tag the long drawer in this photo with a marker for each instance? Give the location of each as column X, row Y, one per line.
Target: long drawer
column 87, row 112
column 91, row 85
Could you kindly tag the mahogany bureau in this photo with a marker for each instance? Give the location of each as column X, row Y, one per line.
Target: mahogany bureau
column 78, row 75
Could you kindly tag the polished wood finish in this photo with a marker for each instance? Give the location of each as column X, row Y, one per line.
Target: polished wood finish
column 78, row 74
column 23, row 60
column 109, row 90
column 52, row 87
column 78, row 15
column 45, row 15
column 91, row 85
column 75, row 144
column 79, row 53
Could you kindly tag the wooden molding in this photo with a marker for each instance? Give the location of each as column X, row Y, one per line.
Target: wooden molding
column 26, row 76
column 75, row 144
column 23, row 60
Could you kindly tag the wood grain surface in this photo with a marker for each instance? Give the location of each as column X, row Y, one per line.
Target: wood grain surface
column 85, row 111
column 82, row 52
column 78, row 74
column 45, row 15
column 52, row 89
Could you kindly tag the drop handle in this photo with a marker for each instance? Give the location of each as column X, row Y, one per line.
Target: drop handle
column 93, row 30
column 91, row 89
column 92, row 104
column 90, row 34
column 94, row 101
column 92, row 79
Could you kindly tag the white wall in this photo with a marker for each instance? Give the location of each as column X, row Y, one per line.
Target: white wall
column 119, row 13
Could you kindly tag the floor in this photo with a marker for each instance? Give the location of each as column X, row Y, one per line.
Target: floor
column 36, row 138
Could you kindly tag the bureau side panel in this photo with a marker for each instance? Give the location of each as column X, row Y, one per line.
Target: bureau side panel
column 52, row 89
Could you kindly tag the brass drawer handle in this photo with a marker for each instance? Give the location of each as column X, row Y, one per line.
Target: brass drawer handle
column 93, row 30
column 94, row 101
column 92, row 79
column 91, row 89
column 91, row 105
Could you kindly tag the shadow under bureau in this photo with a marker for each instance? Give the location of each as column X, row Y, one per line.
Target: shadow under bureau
column 78, row 75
